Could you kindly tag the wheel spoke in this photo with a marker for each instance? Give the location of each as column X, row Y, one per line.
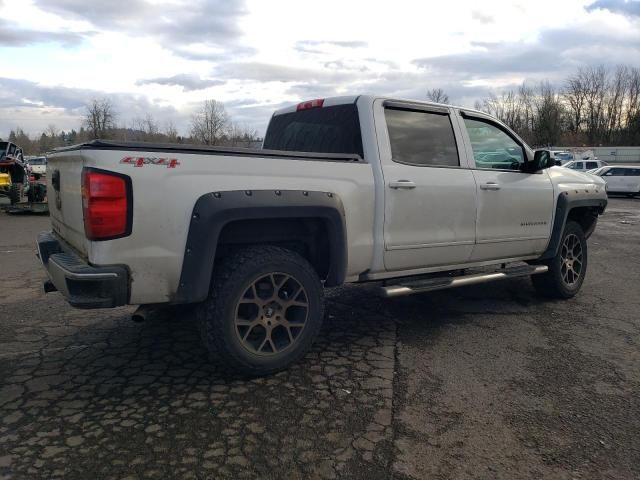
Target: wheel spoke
column 246, row 334
column 290, row 334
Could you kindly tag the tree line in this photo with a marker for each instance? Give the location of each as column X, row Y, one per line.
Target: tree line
column 210, row 125
column 594, row 106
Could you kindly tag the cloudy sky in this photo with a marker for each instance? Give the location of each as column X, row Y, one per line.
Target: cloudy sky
column 166, row 56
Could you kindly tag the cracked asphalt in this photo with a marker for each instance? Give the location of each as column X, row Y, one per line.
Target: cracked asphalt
column 484, row 382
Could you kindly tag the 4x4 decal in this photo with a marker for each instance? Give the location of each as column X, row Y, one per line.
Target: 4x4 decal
column 142, row 161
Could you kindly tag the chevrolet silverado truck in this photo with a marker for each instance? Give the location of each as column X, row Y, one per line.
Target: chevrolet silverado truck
column 408, row 196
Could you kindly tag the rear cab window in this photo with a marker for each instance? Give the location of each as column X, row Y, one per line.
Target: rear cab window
column 421, row 138
column 333, row 129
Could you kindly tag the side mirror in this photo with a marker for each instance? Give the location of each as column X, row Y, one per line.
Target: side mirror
column 541, row 160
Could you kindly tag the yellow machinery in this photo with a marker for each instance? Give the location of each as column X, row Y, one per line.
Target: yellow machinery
column 5, row 181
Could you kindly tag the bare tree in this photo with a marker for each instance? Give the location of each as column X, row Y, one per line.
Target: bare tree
column 548, row 116
column 100, row 117
column 575, row 98
column 437, row 95
column 170, row 132
column 596, row 92
column 210, row 124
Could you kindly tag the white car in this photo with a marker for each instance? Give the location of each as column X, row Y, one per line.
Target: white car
column 584, row 165
column 345, row 190
column 621, row 178
column 38, row 165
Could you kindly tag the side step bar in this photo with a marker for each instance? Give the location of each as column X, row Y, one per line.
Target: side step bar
column 442, row 283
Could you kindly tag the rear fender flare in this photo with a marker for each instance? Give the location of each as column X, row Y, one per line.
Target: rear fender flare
column 214, row 210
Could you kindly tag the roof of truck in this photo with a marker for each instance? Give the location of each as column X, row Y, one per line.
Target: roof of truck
column 346, row 99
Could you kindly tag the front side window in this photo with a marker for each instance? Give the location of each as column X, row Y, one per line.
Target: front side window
column 421, row 138
column 492, row 147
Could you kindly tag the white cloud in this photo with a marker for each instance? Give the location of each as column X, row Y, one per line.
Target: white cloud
column 166, row 56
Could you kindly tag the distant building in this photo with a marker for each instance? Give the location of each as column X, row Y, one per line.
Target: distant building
column 607, row 154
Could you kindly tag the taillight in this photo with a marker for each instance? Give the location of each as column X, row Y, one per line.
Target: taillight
column 106, row 204
column 317, row 103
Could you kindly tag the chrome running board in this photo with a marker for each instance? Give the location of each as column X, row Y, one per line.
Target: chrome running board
column 442, row 283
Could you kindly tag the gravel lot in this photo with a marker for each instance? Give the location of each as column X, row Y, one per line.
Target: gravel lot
column 485, row 382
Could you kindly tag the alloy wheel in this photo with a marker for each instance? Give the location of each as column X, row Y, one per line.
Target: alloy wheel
column 271, row 314
column 571, row 258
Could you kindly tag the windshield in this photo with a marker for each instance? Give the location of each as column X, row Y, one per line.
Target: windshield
column 333, row 129
column 3, row 148
column 38, row 161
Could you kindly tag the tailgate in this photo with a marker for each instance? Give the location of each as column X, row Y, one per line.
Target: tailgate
column 64, row 191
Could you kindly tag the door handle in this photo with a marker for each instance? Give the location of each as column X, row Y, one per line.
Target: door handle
column 489, row 186
column 402, row 184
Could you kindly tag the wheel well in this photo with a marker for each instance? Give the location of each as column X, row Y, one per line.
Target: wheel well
column 586, row 217
column 309, row 237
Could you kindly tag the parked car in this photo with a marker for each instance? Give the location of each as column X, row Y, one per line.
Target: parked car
column 584, row 165
column 345, row 190
column 560, row 156
column 38, row 165
column 621, row 179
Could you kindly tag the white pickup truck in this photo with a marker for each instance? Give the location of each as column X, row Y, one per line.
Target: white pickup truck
column 414, row 196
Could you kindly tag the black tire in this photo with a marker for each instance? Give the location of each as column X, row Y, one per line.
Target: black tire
column 563, row 280
column 240, row 296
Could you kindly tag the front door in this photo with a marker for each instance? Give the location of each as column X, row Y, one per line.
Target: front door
column 515, row 209
column 429, row 194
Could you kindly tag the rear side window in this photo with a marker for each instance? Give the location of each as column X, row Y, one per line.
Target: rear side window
column 591, row 165
column 632, row 172
column 333, row 129
column 421, row 138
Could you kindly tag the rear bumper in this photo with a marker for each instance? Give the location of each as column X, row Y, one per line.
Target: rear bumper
column 82, row 285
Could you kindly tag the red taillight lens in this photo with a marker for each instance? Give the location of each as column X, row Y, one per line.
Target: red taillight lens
column 317, row 103
column 105, row 205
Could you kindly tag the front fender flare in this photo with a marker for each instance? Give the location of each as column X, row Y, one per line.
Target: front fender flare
column 566, row 202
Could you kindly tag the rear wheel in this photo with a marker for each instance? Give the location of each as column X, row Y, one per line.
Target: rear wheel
column 265, row 309
column 568, row 268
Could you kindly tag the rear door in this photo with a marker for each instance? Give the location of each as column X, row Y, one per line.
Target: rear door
column 615, row 178
column 429, row 191
column 514, row 209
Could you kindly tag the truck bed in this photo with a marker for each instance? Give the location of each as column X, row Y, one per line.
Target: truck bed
column 211, row 150
column 168, row 179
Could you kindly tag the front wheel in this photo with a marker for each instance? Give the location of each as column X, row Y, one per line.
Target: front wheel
column 568, row 268
column 265, row 309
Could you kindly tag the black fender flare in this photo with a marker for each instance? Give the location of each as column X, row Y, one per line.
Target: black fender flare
column 567, row 202
column 212, row 211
